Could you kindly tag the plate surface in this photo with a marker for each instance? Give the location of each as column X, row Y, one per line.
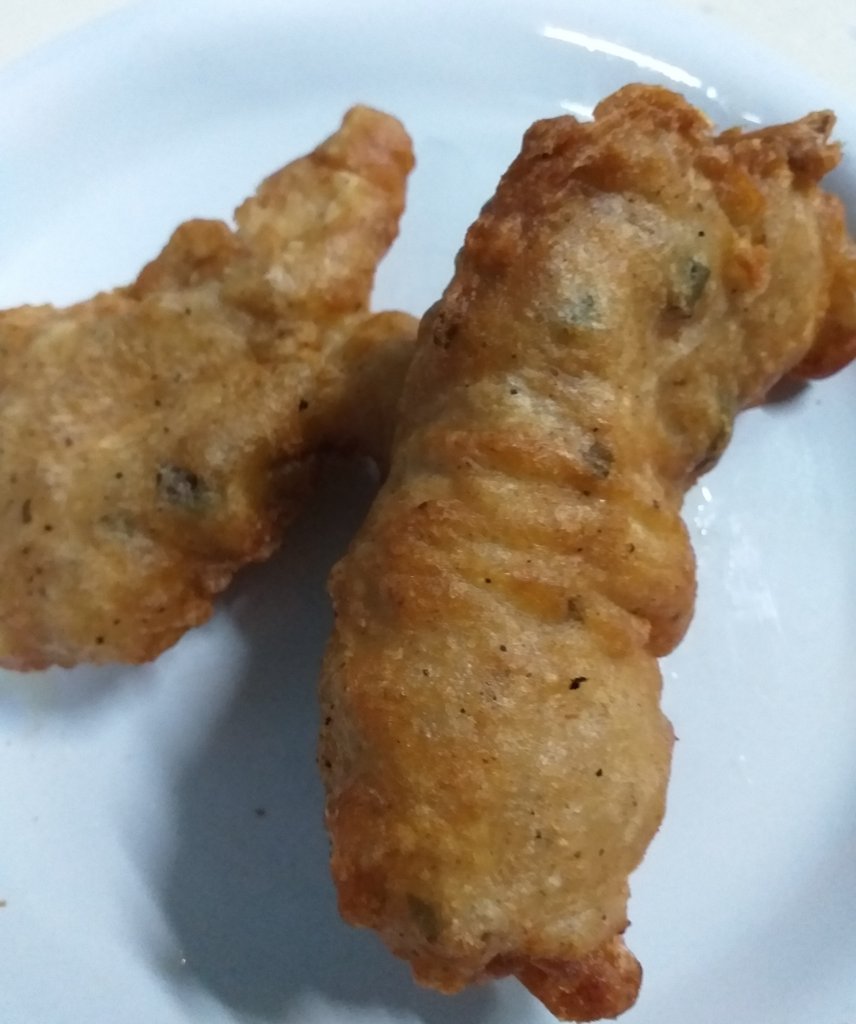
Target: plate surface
column 162, row 856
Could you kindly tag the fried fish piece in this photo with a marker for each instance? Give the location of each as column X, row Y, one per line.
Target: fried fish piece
column 155, row 439
column 494, row 751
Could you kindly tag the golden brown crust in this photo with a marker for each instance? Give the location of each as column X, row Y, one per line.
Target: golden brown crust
column 835, row 344
column 157, row 438
column 600, row 984
column 494, row 751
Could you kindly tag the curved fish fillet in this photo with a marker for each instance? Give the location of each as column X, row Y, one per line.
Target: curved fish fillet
column 494, row 750
column 155, row 439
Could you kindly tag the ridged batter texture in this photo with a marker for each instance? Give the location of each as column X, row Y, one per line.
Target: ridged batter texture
column 493, row 746
column 156, row 438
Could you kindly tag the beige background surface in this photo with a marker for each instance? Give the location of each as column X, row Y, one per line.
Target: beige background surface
column 819, row 35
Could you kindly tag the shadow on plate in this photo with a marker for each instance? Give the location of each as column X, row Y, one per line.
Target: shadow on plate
column 787, row 394
column 69, row 692
column 247, row 892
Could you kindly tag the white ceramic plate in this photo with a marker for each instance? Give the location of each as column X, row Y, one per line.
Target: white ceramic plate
column 162, row 857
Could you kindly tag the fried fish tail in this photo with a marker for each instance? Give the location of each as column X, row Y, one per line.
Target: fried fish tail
column 493, row 747
column 310, row 239
column 602, row 984
column 157, row 438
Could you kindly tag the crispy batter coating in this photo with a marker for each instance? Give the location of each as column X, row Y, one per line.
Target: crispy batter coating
column 494, row 750
column 155, row 439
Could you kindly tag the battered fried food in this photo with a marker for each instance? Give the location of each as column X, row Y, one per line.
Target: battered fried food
column 155, row 439
column 494, row 750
